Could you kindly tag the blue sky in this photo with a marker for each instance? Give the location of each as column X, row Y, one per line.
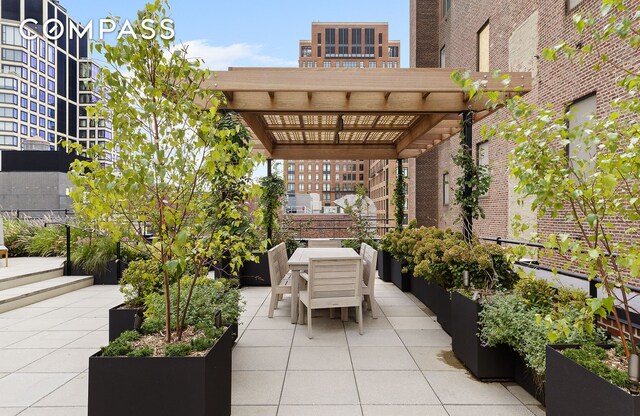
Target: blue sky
column 255, row 32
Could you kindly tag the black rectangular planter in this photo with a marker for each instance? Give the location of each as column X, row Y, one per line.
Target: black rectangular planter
column 384, row 265
column 255, row 273
column 420, row 289
column 443, row 306
column 401, row 280
column 483, row 362
column 574, row 390
column 107, row 276
column 123, row 319
column 152, row 386
column 527, row 378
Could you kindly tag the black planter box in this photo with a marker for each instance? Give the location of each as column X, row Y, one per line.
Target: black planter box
column 384, row 265
column 256, row 273
column 107, row 276
column 574, row 390
column 420, row 289
column 401, row 280
column 495, row 363
column 152, row 386
column 528, row 380
column 123, row 319
column 443, row 306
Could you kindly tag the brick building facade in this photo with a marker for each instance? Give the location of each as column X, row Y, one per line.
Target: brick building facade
column 516, row 31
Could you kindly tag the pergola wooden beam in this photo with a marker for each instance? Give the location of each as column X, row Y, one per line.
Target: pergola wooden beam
column 419, row 129
column 334, row 151
column 257, row 126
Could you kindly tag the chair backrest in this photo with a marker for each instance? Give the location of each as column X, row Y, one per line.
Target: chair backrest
column 324, row 244
column 370, row 261
column 363, row 249
column 278, row 263
column 1, row 232
column 335, row 278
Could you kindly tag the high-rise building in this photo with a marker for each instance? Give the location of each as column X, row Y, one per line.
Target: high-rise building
column 45, row 82
column 341, row 45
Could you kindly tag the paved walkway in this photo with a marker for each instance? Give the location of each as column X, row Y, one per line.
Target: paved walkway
column 401, row 366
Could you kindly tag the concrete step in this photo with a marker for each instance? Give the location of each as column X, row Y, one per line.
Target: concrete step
column 29, row 277
column 24, row 295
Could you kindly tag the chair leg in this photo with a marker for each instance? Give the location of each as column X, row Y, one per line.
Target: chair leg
column 372, row 306
column 359, row 315
column 344, row 314
column 331, row 313
column 309, row 318
column 273, row 304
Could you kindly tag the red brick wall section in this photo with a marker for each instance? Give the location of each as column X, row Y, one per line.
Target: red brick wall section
column 321, row 226
column 559, row 83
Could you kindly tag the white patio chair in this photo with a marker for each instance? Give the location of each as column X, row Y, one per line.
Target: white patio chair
column 279, row 274
column 333, row 283
column 324, row 244
column 370, row 260
column 3, row 249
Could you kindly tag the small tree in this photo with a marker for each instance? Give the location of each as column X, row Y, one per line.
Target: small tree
column 362, row 230
column 183, row 172
column 594, row 192
column 399, row 197
column 271, row 202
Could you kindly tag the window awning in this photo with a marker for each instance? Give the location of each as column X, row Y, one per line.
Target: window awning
column 300, row 113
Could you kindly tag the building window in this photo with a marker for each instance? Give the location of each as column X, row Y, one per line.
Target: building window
column 330, row 42
column 445, row 189
column 327, row 64
column 291, row 187
column 305, row 52
column 483, row 48
column 356, row 41
column 290, row 177
column 372, row 64
column 319, row 51
column 343, row 42
column 446, row 5
column 482, row 151
column 11, row 35
column 319, row 38
column 301, row 187
column 369, row 42
column 572, row 4
column 443, row 58
column 579, row 113
column 291, row 167
column 394, row 52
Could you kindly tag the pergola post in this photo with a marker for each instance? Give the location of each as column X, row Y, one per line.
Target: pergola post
column 467, row 132
column 269, row 228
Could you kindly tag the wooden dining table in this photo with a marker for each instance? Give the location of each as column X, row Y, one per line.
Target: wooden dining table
column 299, row 262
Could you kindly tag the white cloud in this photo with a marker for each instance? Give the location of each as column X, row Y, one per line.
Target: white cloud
column 237, row 54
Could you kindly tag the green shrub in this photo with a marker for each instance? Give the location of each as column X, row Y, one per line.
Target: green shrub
column 178, row 349
column 92, row 254
column 122, row 345
column 536, row 293
column 141, row 278
column 523, row 324
column 48, row 242
column 129, row 336
column 591, row 357
column 202, row 343
column 141, row 352
column 208, row 297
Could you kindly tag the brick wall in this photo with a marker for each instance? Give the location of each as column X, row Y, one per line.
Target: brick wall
column 519, row 30
column 321, row 226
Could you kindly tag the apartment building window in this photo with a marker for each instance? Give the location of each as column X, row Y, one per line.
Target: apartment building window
column 319, row 38
column 291, row 187
column 301, row 177
column 327, row 64
column 309, row 177
column 343, row 42
column 572, row 4
column 579, row 113
column 337, row 64
column 11, row 36
column 317, row 187
column 446, row 5
column 379, row 51
column 291, row 167
column 445, row 189
column 301, row 187
column 483, row 48
column 305, row 52
column 369, row 42
column 443, row 57
column 13, row 55
column 309, row 187
column 326, row 177
column 372, row 64
column 380, row 38
column 326, row 167
column 319, row 52
column 356, row 41
column 394, row 52
column 290, row 177
column 330, row 41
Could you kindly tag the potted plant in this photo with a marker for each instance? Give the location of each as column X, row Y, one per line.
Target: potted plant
column 186, row 174
column 399, row 244
column 587, row 381
column 139, row 280
column 521, row 319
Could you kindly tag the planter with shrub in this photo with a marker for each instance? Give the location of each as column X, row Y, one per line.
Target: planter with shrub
column 384, row 265
column 580, row 383
column 255, row 272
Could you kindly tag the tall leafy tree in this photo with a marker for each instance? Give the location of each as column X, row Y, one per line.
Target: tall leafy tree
column 179, row 187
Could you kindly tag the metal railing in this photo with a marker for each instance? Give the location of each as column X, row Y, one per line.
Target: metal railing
column 36, row 213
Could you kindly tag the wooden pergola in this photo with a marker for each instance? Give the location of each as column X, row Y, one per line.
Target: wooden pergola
column 297, row 113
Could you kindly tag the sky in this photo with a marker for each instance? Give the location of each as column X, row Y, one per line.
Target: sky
column 254, row 32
